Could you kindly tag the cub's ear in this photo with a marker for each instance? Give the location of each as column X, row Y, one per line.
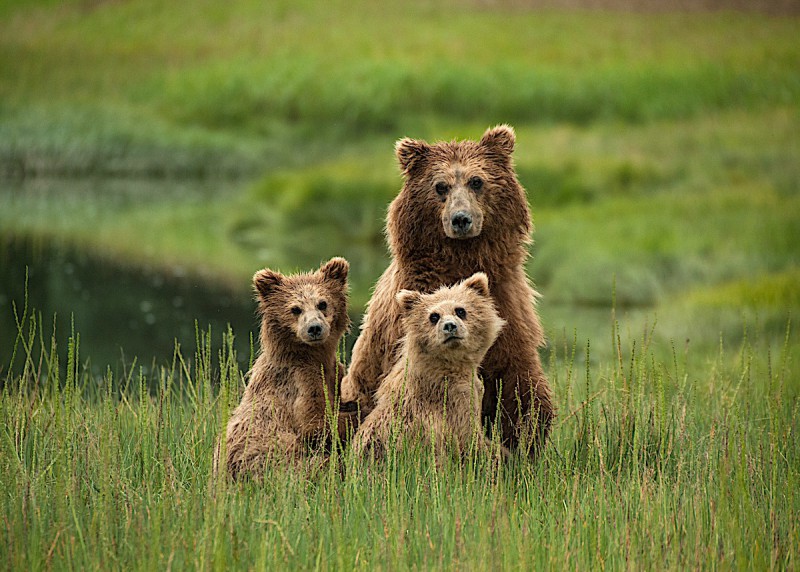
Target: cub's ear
column 410, row 153
column 500, row 140
column 265, row 281
column 478, row 282
column 335, row 269
column 407, row 299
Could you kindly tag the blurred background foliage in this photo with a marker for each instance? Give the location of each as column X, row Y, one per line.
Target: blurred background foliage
column 658, row 143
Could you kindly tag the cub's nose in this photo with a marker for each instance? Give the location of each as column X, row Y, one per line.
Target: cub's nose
column 314, row 331
column 449, row 327
column 461, row 222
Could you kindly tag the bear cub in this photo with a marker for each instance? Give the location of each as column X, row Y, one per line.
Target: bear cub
column 294, row 383
column 433, row 393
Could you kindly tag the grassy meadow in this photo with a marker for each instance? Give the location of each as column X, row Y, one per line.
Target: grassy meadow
column 653, row 465
column 661, row 155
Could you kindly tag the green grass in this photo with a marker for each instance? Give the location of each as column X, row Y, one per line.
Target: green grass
column 653, row 464
column 81, row 81
column 661, row 210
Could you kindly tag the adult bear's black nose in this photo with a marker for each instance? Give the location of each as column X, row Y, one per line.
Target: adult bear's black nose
column 449, row 327
column 461, row 222
column 314, row 331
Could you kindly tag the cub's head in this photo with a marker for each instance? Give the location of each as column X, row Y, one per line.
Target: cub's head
column 466, row 188
column 308, row 309
column 459, row 322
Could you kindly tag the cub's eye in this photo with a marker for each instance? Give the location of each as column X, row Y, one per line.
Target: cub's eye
column 434, row 318
column 476, row 183
column 461, row 313
column 296, row 310
column 442, row 188
column 322, row 306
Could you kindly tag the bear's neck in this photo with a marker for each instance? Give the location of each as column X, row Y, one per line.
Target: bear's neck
column 295, row 357
column 431, row 373
column 453, row 260
column 434, row 390
column 421, row 248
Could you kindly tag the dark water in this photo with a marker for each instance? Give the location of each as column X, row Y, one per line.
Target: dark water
column 120, row 312
column 124, row 312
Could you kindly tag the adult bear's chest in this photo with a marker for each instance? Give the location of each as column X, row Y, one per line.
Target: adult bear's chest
column 427, row 276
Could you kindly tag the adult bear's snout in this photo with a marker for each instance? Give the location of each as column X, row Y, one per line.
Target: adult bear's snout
column 461, row 222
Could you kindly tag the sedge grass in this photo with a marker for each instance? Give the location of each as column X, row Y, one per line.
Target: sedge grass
column 654, row 463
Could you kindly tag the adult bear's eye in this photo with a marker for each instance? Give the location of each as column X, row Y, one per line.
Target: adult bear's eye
column 296, row 310
column 322, row 306
column 442, row 188
column 461, row 313
column 476, row 183
column 434, row 318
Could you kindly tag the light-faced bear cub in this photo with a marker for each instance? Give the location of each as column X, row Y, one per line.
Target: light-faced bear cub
column 433, row 393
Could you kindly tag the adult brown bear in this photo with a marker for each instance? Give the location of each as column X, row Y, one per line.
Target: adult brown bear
column 462, row 210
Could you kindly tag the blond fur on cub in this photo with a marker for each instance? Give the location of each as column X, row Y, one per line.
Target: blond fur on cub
column 433, row 392
column 296, row 378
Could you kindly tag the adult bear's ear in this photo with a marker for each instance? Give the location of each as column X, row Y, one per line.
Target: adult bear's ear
column 478, row 282
column 336, row 270
column 407, row 299
column 265, row 281
column 499, row 141
column 411, row 153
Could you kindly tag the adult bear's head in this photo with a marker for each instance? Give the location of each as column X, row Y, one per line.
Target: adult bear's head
column 459, row 191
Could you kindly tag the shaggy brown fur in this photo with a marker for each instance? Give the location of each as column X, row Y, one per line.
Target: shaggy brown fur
column 433, row 390
column 296, row 378
column 462, row 210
